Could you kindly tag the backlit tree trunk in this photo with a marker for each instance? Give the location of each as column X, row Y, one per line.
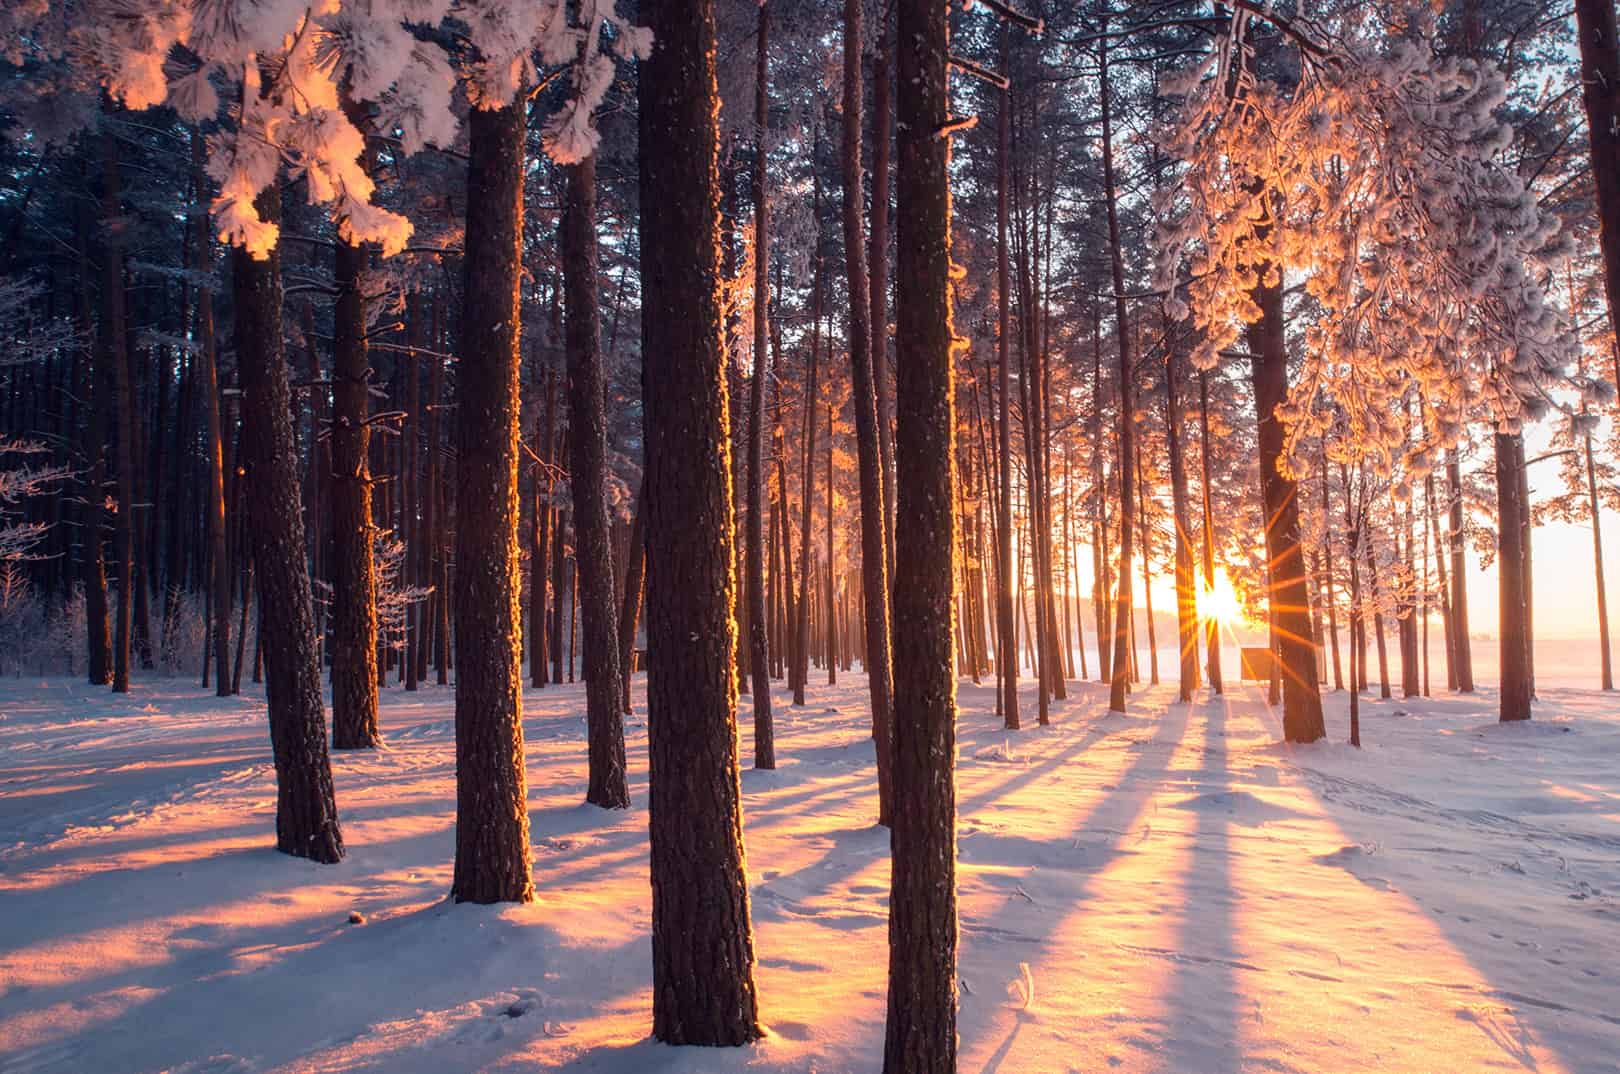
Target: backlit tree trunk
column 113, row 356
column 702, row 933
column 354, row 584
column 492, row 816
column 920, row 1036
column 1126, row 468
column 874, row 544
column 306, row 811
column 1599, row 37
column 1007, row 643
column 759, row 661
column 219, row 585
column 1513, row 631
column 588, row 476
column 1290, row 599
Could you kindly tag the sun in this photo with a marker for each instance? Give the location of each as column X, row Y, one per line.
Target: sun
column 1220, row 601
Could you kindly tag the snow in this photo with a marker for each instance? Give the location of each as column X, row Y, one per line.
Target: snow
column 1172, row 891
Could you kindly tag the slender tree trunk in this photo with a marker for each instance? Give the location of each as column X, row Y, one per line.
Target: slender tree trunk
column 306, row 811
column 93, row 561
column 1595, row 25
column 702, row 933
column 1606, row 671
column 492, row 815
column 1290, row 599
column 921, row 1032
column 588, row 476
column 1513, row 599
column 807, row 496
column 540, row 538
column 1213, row 627
column 1461, row 643
column 759, row 657
column 1006, row 627
column 874, row 542
column 882, row 133
column 353, row 643
column 113, row 357
column 1126, row 467
column 630, row 602
column 1186, row 593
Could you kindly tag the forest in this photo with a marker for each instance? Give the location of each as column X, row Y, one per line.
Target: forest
column 685, row 486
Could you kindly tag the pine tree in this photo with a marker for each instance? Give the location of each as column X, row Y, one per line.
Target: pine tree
column 702, row 932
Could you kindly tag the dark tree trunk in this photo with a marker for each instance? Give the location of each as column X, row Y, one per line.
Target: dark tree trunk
column 878, row 226
column 920, row 1036
column 353, row 642
column 1213, row 627
column 492, row 815
column 759, row 657
column 1290, row 598
column 1186, row 591
column 93, row 563
column 1513, row 601
column 1595, row 25
column 588, row 476
column 1006, row 629
column 874, row 543
column 1606, row 670
column 1459, row 580
column 540, row 539
column 807, row 477
column 218, row 561
column 306, row 812
column 630, row 600
column 1126, row 468
column 112, row 359
column 702, row 932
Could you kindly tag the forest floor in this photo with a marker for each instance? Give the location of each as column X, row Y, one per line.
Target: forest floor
column 1169, row 891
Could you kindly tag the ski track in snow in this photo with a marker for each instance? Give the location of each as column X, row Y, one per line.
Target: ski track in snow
column 1169, row 891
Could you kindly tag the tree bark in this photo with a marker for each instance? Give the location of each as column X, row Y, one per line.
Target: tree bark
column 759, row 655
column 1595, row 25
column 1006, row 627
column 920, row 1035
column 1290, row 599
column 1460, row 641
column 702, row 933
column 1186, row 592
column 113, row 352
column 306, row 811
column 353, row 642
column 588, row 475
column 1126, row 468
column 630, row 600
column 874, row 543
column 492, row 816
column 1513, row 631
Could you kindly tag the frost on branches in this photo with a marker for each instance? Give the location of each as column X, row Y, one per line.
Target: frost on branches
column 1368, row 173
column 279, row 68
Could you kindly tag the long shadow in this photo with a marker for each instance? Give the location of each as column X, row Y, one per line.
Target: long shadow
column 1201, row 1004
column 1018, row 921
column 1564, row 949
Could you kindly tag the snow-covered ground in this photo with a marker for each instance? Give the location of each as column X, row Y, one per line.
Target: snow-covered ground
column 1171, row 891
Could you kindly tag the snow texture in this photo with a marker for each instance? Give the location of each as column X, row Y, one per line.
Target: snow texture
column 1169, row 891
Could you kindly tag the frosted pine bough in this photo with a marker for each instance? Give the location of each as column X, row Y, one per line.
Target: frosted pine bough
column 1368, row 172
column 277, row 72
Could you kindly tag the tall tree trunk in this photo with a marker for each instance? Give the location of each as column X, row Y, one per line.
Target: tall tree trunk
column 492, row 814
column 1290, row 599
column 1460, row 641
column 208, row 368
column 630, row 601
column 1006, row 627
column 1595, row 25
column 93, row 562
column 920, row 1035
column 759, row 657
column 1126, row 468
column 1186, row 591
column 874, row 543
column 540, row 538
column 1606, row 671
column 1213, row 627
column 306, row 811
column 353, row 642
column 702, row 933
column 807, row 492
column 1513, row 599
column 588, row 477
column 878, row 226
column 113, row 356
